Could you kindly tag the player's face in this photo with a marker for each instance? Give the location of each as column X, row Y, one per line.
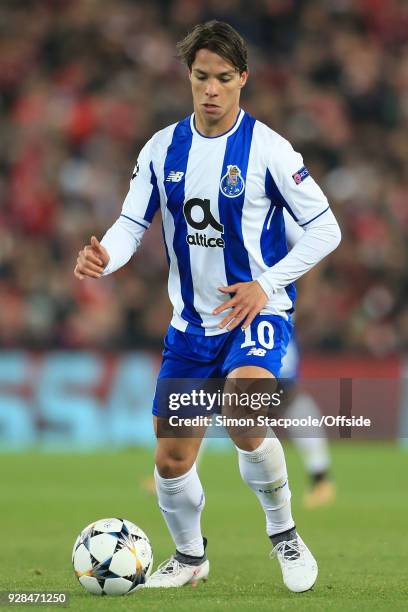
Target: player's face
column 216, row 86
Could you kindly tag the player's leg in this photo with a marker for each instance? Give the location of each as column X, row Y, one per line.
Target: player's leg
column 181, row 501
column 261, row 458
column 313, row 447
column 263, row 467
column 179, row 490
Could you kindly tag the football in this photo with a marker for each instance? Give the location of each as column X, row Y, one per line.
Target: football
column 112, row 557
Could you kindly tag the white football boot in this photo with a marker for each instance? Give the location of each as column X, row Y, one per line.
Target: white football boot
column 173, row 573
column 299, row 567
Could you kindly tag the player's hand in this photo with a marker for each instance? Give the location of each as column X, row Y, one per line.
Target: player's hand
column 92, row 260
column 248, row 301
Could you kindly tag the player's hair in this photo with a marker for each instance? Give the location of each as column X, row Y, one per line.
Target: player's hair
column 218, row 37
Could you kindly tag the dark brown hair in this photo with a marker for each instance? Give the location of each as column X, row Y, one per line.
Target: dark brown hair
column 218, row 37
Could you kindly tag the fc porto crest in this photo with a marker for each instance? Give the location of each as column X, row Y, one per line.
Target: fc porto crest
column 232, row 184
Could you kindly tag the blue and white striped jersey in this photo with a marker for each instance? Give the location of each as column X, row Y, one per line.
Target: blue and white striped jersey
column 221, row 201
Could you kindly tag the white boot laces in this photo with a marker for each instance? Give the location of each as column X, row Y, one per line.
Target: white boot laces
column 288, row 551
column 169, row 567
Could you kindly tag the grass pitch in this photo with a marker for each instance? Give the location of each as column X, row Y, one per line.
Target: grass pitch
column 360, row 542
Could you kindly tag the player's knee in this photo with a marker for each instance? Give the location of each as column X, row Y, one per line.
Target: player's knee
column 173, row 463
column 247, row 444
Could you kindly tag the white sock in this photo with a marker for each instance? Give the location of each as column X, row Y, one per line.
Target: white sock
column 181, row 501
column 264, row 470
column 313, row 448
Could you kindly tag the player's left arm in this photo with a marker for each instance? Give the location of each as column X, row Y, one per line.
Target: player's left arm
column 322, row 235
column 290, row 186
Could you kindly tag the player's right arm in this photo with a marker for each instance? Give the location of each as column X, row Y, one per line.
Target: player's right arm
column 124, row 237
column 92, row 260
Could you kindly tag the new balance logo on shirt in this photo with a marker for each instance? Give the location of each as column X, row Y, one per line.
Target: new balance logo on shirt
column 174, row 177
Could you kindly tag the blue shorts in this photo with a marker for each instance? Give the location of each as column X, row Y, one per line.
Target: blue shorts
column 262, row 344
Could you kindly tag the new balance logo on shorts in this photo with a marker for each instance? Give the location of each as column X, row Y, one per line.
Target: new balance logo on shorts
column 257, row 352
column 174, row 177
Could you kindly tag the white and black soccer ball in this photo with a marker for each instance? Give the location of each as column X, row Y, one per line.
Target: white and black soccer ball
column 112, row 557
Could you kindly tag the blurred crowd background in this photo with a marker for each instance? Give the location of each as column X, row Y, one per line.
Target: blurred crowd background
column 84, row 84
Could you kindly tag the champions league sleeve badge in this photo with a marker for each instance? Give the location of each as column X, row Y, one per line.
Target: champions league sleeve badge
column 300, row 175
column 232, row 184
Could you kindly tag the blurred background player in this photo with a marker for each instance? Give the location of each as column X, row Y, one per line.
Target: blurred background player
column 313, row 447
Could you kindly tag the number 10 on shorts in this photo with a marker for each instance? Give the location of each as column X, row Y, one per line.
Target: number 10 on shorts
column 264, row 332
